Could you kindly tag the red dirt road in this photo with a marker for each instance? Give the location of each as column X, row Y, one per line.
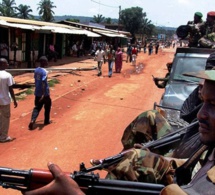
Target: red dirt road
column 89, row 115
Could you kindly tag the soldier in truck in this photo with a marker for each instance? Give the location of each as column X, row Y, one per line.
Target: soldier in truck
column 208, row 31
column 195, row 34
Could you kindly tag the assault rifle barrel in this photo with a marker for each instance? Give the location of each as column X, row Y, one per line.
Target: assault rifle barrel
column 168, row 138
column 90, row 183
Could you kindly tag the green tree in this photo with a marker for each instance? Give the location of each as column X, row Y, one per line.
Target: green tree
column 147, row 28
column 45, row 10
column 151, row 30
column 98, row 19
column 23, row 11
column 7, row 8
column 132, row 19
column 108, row 20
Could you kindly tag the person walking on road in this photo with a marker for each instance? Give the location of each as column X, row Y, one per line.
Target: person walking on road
column 150, row 48
column 134, row 56
column 111, row 59
column 129, row 49
column 100, row 58
column 156, row 48
column 118, row 61
column 6, row 93
column 42, row 94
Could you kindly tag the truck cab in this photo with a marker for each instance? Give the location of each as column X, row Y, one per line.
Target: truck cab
column 179, row 87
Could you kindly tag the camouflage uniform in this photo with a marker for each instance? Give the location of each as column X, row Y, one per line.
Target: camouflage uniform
column 208, row 30
column 148, row 126
column 194, row 33
column 203, row 181
column 207, row 40
column 143, row 166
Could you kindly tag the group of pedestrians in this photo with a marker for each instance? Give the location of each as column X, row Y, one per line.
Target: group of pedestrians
column 151, row 46
column 42, row 93
column 111, row 56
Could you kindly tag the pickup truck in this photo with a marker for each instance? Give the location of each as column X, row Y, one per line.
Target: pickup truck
column 179, row 87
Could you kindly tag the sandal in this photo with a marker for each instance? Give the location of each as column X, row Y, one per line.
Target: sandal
column 8, row 139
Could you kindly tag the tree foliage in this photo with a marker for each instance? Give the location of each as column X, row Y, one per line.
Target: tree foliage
column 45, row 10
column 98, row 19
column 147, row 27
column 108, row 20
column 73, row 20
column 132, row 19
column 23, row 11
column 7, row 8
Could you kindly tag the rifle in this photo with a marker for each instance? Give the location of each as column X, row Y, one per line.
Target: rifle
column 90, row 183
column 169, row 138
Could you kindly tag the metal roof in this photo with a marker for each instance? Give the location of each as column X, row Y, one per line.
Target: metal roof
column 33, row 22
column 96, row 29
column 56, row 29
column 91, row 34
column 44, row 26
column 112, row 34
column 22, row 26
column 109, row 33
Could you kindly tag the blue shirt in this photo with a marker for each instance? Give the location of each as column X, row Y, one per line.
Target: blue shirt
column 40, row 76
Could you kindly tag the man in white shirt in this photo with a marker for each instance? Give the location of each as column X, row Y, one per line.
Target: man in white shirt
column 100, row 58
column 6, row 93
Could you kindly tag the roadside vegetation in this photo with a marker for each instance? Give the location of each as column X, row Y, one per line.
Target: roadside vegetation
column 53, row 82
column 29, row 91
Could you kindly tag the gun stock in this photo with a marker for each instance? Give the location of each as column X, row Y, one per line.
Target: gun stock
column 90, row 183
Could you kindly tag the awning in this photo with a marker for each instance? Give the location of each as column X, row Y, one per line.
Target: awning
column 22, row 26
column 70, row 31
column 91, row 34
column 112, row 34
column 49, row 29
column 56, row 29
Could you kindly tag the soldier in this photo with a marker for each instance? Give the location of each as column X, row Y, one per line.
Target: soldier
column 161, row 82
column 203, row 181
column 194, row 33
column 208, row 31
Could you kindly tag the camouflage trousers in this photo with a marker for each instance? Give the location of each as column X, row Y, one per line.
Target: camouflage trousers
column 148, row 126
column 143, row 166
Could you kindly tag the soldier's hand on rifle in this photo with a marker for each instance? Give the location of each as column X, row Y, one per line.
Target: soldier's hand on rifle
column 138, row 146
column 62, row 184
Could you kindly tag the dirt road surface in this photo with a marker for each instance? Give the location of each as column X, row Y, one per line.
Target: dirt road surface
column 89, row 115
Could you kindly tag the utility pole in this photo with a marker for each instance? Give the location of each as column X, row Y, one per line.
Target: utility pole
column 119, row 17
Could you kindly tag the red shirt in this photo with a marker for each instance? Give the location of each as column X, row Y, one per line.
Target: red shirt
column 134, row 51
